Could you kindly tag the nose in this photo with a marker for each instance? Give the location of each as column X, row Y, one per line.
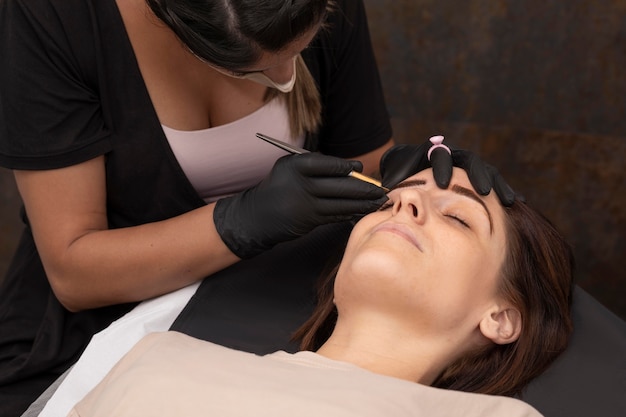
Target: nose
column 282, row 72
column 410, row 202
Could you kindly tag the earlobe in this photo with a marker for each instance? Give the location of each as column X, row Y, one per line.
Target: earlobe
column 502, row 326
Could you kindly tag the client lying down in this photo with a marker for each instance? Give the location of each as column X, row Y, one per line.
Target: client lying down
column 440, row 288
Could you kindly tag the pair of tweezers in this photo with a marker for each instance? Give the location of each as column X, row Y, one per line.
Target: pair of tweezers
column 296, row 150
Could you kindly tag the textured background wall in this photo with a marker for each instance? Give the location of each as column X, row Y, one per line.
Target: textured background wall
column 538, row 88
column 10, row 223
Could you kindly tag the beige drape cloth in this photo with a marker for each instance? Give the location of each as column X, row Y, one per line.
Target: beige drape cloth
column 171, row 374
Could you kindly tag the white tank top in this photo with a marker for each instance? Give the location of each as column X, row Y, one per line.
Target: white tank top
column 223, row 160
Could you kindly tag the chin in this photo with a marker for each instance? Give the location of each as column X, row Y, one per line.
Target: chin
column 377, row 263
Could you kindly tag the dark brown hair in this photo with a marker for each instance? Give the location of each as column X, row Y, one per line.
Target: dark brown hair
column 536, row 277
column 232, row 34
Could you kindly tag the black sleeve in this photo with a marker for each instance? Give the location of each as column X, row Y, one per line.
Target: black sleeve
column 341, row 59
column 50, row 114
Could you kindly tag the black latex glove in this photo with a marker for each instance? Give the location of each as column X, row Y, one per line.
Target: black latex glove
column 402, row 161
column 483, row 176
column 300, row 193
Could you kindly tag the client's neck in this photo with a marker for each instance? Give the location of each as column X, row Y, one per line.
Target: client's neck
column 382, row 347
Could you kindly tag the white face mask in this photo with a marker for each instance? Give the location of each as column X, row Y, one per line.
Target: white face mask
column 259, row 77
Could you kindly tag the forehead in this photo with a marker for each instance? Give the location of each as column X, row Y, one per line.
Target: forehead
column 459, row 176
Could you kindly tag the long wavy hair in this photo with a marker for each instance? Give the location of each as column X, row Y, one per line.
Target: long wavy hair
column 232, row 34
column 536, row 277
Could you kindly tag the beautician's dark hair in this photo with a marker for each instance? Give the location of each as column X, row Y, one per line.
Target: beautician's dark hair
column 232, row 34
column 536, row 277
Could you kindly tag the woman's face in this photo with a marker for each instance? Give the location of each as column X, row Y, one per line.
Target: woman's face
column 430, row 257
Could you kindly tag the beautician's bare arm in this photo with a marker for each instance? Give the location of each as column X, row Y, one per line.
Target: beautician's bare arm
column 371, row 160
column 89, row 265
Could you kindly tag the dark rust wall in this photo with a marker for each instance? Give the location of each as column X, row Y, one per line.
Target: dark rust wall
column 10, row 223
column 538, row 88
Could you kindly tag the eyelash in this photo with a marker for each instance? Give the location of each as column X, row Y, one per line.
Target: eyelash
column 459, row 220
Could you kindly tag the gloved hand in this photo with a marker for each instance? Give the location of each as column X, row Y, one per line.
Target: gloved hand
column 402, row 161
column 300, row 193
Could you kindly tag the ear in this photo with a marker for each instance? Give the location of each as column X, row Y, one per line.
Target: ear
column 502, row 325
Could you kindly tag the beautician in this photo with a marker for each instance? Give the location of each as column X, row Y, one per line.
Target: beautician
column 130, row 127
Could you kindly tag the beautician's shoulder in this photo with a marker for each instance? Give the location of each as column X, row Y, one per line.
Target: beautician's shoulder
column 53, row 18
column 343, row 62
column 59, row 39
column 39, row 10
column 64, row 29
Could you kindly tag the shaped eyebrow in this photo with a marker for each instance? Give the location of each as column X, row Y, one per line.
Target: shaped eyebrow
column 465, row 192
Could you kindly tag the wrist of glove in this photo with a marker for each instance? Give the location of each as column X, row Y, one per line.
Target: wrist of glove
column 402, row 161
column 300, row 193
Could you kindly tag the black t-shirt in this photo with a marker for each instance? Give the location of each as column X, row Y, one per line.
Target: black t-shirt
column 71, row 90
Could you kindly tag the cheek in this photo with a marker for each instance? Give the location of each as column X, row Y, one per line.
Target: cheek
column 467, row 270
column 363, row 227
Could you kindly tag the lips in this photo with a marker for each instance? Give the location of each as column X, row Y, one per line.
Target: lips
column 400, row 230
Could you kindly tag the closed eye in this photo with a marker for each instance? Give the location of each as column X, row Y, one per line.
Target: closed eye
column 459, row 220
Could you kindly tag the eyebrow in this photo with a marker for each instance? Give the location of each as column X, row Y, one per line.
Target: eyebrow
column 465, row 192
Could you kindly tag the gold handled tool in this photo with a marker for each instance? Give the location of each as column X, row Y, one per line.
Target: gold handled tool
column 296, row 150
